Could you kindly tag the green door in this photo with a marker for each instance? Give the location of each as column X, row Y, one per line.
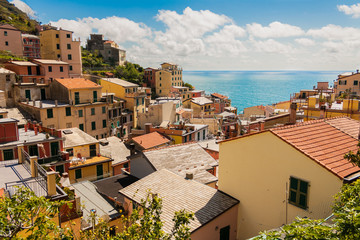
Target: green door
column 54, row 148
column 99, row 171
column 28, row 94
column 77, row 98
column 43, row 95
column 8, row 154
column 225, row 233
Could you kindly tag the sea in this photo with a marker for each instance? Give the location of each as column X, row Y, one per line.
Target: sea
column 251, row 88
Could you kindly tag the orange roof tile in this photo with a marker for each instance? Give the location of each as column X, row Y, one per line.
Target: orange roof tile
column 218, row 95
column 325, row 141
column 77, row 83
column 151, row 140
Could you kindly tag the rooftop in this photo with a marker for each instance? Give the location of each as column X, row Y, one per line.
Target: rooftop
column 183, row 158
column 115, row 149
column 218, row 95
column 77, row 163
column 15, row 114
column 201, row 100
column 8, row 26
column 120, row 82
column 210, row 144
column 178, row 193
column 325, row 141
column 91, row 199
column 30, row 36
column 151, row 140
column 23, row 63
column 77, row 83
column 29, row 137
column 110, row 186
column 45, row 104
column 6, row 71
column 50, row 61
column 75, row 137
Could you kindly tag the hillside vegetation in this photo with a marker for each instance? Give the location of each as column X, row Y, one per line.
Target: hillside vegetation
column 9, row 14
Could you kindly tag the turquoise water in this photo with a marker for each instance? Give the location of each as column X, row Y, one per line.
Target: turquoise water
column 250, row 88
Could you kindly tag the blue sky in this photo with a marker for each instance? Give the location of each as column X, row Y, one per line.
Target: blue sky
column 218, row 35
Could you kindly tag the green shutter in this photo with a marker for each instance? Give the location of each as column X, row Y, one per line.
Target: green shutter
column 68, row 111
column 104, row 123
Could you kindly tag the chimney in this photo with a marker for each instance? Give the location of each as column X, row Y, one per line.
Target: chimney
column 36, row 131
column 26, row 127
column 56, row 103
column 262, row 126
column 189, row 176
column 41, row 104
column 148, row 126
column 132, row 149
column 293, row 108
column 322, row 111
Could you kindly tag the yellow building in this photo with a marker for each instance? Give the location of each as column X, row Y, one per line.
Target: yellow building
column 201, row 106
column 59, row 45
column 166, row 77
column 86, row 163
column 135, row 99
column 348, row 81
column 287, row 172
column 345, row 107
column 76, row 103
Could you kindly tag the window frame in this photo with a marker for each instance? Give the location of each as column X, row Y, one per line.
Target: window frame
column 298, row 193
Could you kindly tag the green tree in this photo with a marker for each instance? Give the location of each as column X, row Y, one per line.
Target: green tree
column 191, row 87
column 24, row 211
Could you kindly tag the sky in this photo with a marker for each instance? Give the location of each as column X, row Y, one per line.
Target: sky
column 216, row 34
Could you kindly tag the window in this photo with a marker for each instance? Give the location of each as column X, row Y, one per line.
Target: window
column 6, row 43
column 33, row 150
column 57, row 35
column 356, row 82
column 70, row 151
column 131, row 118
column 60, row 169
column 8, row 154
column 68, row 46
column 50, row 68
column 70, row 68
column 61, row 69
column 225, row 233
column 5, row 33
column 93, row 125
column 95, row 96
column 103, row 110
column 124, row 119
column 298, row 192
column 81, row 126
column 189, row 137
column 69, row 125
column 185, row 139
column 58, row 56
column 92, row 111
column 77, row 98
column 68, row 35
column 137, row 102
column 81, row 114
column 78, row 173
column 104, row 123
column 57, row 46
column 50, row 113
column 68, row 111
column 8, row 78
column 204, row 134
column 69, row 57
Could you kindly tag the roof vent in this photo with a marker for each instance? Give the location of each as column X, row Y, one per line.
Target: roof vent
column 104, row 142
column 189, row 176
column 67, row 131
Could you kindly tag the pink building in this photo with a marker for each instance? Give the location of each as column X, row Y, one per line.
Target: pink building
column 31, row 45
column 10, row 40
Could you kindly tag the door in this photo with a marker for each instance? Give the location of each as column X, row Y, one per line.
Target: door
column 28, row 94
column 43, row 95
column 225, row 233
column 8, row 154
column 99, row 171
column 93, row 150
column 54, row 148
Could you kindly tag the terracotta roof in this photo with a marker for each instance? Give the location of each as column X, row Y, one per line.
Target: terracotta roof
column 326, row 141
column 178, row 193
column 151, row 140
column 261, row 107
column 77, row 83
column 218, row 95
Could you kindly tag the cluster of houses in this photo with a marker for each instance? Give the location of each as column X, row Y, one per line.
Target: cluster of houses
column 103, row 143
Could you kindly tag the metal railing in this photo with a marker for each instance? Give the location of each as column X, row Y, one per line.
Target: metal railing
column 26, row 160
column 9, row 162
column 35, row 184
column 42, row 174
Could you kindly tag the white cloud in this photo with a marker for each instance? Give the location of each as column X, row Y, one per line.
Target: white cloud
column 353, row 10
column 24, row 7
column 274, row 30
column 272, row 46
column 335, row 32
column 305, row 41
column 118, row 29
